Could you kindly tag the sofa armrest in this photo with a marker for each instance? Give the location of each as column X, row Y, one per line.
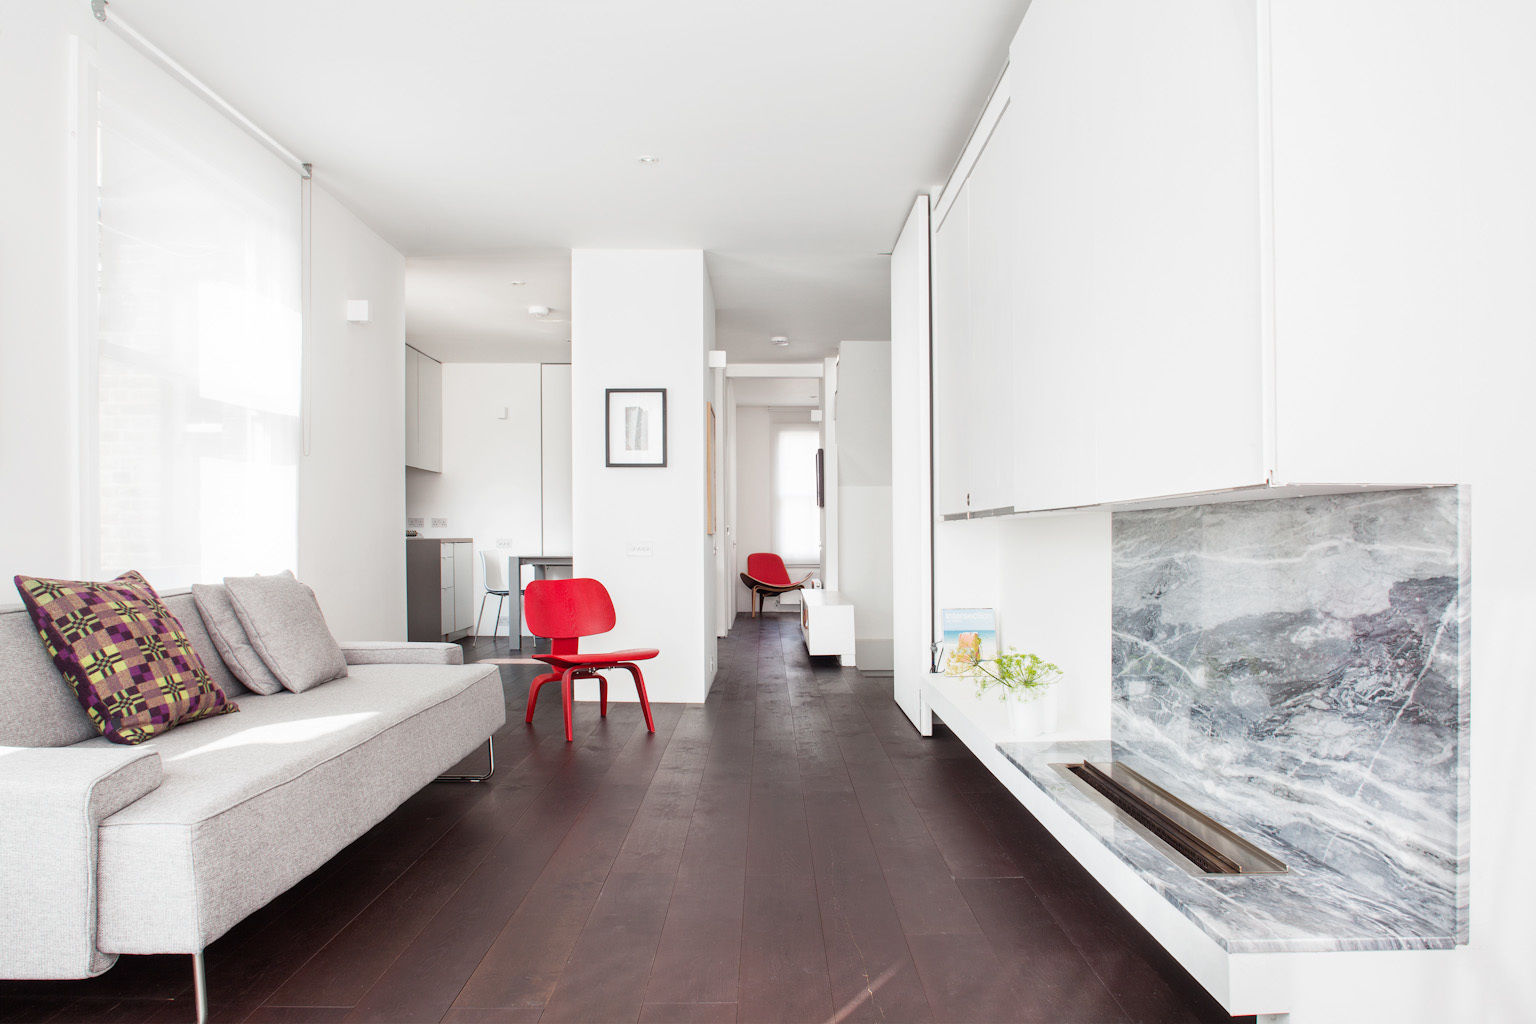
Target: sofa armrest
column 51, row 800
column 398, row 652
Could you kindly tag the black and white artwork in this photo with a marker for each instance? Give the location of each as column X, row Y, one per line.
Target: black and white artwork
column 636, row 427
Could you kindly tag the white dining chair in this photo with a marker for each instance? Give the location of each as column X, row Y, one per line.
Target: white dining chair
column 495, row 587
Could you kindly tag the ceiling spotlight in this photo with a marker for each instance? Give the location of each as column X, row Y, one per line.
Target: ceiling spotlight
column 538, row 312
column 779, row 340
column 649, row 160
column 516, row 284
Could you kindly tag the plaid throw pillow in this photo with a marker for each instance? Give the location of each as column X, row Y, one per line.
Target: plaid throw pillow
column 124, row 654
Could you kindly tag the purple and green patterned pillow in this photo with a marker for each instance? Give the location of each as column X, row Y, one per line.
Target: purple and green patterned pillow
column 124, row 654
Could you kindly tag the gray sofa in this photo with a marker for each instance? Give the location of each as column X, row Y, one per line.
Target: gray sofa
column 163, row 847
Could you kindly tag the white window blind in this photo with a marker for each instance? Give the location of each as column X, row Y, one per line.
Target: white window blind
column 796, row 519
column 193, row 430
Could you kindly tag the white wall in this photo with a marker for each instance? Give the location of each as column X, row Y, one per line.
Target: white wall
column 864, row 494
column 352, row 482
column 645, row 319
column 489, row 487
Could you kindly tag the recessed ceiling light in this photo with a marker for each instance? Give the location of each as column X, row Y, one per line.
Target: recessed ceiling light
column 516, row 284
column 779, row 340
column 649, row 160
column 538, row 312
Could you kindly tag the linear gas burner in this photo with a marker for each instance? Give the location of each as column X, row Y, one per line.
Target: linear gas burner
column 1189, row 838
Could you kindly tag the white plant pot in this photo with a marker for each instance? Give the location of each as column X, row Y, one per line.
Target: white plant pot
column 1028, row 717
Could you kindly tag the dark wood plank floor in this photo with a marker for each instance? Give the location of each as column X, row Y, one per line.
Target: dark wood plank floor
column 789, row 851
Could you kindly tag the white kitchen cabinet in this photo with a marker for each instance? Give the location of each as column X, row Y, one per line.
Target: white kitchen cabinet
column 990, row 394
column 1138, row 331
column 951, row 373
column 973, row 311
column 463, row 587
column 423, row 411
column 1189, row 250
column 412, row 407
column 1370, row 239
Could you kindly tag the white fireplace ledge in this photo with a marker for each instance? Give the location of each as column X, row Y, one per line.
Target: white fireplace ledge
column 1310, row 908
column 1248, row 963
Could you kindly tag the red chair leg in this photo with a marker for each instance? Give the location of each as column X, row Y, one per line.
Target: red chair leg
column 565, row 698
column 645, row 702
column 533, row 692
column 602, row 689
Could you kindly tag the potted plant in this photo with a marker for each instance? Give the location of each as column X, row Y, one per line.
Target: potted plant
column 1024, row 683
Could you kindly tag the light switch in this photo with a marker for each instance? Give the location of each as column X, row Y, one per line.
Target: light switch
column 642, row 550
column 439, row 522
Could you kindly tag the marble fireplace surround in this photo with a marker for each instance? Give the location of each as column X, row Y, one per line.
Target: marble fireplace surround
column 1297, row 669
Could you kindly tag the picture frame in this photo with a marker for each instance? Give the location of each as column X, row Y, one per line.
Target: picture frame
column 635, row 427
column 709, row 468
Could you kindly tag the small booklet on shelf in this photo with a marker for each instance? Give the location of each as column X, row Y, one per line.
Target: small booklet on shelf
column 970, row 635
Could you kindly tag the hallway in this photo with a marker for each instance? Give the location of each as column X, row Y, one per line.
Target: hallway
column 789, row 851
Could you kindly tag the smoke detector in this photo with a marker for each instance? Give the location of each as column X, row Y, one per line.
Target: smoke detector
column 779, row 340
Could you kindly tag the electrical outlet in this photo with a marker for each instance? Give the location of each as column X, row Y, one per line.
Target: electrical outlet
column 642, row 550
column 504, row 543
column 415, row 522
column 439, row 522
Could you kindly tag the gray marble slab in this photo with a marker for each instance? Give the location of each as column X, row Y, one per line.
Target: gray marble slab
column 1311, row 908
column 1297, row 668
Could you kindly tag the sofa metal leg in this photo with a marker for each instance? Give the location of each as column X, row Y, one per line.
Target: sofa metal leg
column 200, row 988
column 490, row 746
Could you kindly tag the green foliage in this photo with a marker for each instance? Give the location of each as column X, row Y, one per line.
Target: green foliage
column 1024, row 675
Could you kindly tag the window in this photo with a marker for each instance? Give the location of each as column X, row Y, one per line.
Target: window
column 192, row 433
column 796, row 518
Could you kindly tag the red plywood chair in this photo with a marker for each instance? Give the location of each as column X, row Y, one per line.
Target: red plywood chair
column 564, row 611
column 766, row 574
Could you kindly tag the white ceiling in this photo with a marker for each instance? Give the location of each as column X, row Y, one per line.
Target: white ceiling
column 473, row 311
column 793, row 135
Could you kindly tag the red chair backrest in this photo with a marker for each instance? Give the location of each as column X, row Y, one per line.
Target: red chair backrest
column 565, row 609
column 767, row 567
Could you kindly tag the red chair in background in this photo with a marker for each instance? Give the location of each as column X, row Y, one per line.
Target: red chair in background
column 564, row 611
column 766, row 574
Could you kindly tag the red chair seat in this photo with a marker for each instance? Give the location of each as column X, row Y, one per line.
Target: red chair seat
column 564, row 611
column 611, row 658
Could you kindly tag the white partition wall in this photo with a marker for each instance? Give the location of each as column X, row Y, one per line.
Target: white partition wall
column 911, row 466
column 644, row 319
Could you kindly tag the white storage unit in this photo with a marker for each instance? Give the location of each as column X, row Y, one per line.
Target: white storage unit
column 423, row 411
column 440, row 588
column 457, row 603
column 826, row 623
column 1153, row 274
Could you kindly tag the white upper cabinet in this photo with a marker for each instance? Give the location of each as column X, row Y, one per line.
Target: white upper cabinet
column 989, row 394
column 952, row 374
column 1368, row 231
column 1194, row 249
column 423, row 411
column 1138, row 238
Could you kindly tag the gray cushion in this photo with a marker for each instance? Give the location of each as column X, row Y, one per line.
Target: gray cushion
column 399, row 652
column 285, row 625
column 218, row 614
column 251, row 803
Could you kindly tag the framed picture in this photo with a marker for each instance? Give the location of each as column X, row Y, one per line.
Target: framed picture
column 709, row 467
column 636, row 426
